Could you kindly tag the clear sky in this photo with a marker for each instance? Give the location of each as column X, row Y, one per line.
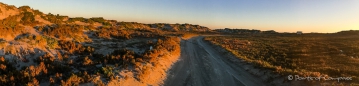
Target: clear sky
column 280, row 15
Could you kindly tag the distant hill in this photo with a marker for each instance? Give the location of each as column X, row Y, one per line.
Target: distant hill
column 242, row 31
column 349, row 32
column 253, row 31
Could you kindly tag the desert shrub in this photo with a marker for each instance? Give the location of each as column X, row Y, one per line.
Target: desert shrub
column 59, row 56
column 2, row 67
column 77, row 19
column 10, row 27
column 107, row 33
column 44, row 41
column 168, row 44
column 57, row 19
column 5, row 66
column 98, row 82
column 63, row 32
column 33, row 82
column 121, row 56
column 10, row 7
column 47, row 58
column 51, row 42
column 132, row 25
column 74, row 80
column 37, row 12
column 2, row 59
column 28, row 18
column 106, row 24
column 72, row 47
column 107, row 71
column 24, row 8
column 39, row 40
column 103, row 34
column 86, row 77
column 10, row 22
column 98, row 19
column 87, row 61
column 27, row 76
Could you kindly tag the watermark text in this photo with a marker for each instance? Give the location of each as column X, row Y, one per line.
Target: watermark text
column 319, row 78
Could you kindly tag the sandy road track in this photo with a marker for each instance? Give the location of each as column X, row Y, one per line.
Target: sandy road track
column 201, row 65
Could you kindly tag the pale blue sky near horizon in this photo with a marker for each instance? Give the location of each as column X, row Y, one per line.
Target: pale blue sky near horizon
column 280, row 15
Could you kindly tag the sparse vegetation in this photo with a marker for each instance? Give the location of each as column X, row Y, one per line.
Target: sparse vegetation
column 334, row 55
column 64, row 32
column 57, row 19
column 107, row 33
column 28, row 18
column 38, row 40
column 10, row 27
column 77, row 19
column 24, row 8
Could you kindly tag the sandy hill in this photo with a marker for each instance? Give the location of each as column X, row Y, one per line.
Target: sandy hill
column 7, row 10
column 53, row 49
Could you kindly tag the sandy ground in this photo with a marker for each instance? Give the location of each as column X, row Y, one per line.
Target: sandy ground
column 96, row 24
column 39, row 19
column 202, row 65
column 31, row 30
column 6, row 13
column 155, row 76
column 81, row 23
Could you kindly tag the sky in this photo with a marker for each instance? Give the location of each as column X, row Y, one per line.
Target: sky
column 323, row 16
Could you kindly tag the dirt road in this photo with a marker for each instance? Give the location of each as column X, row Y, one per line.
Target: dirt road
column 201, row 65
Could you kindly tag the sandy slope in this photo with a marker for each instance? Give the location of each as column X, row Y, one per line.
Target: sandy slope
column 154, row 73
column 39, row 19
column 7, row 12
column 81, row 23
column 202, row 65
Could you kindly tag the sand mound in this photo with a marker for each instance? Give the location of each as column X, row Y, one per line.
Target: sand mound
column 81, row 23
column 39, row 19
column 7, row 11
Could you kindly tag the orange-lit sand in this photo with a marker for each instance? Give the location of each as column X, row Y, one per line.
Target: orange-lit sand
column 81, row 23
column 41, row 20
column 155, row 74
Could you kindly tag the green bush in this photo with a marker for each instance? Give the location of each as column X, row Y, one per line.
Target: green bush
column 107, row 71
column 106, row 24
column 51, row 42
column 28, row 18
column 77, row 19
column 98, row 19
column 24, row 8
column 57, row 19
column 37, row 12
